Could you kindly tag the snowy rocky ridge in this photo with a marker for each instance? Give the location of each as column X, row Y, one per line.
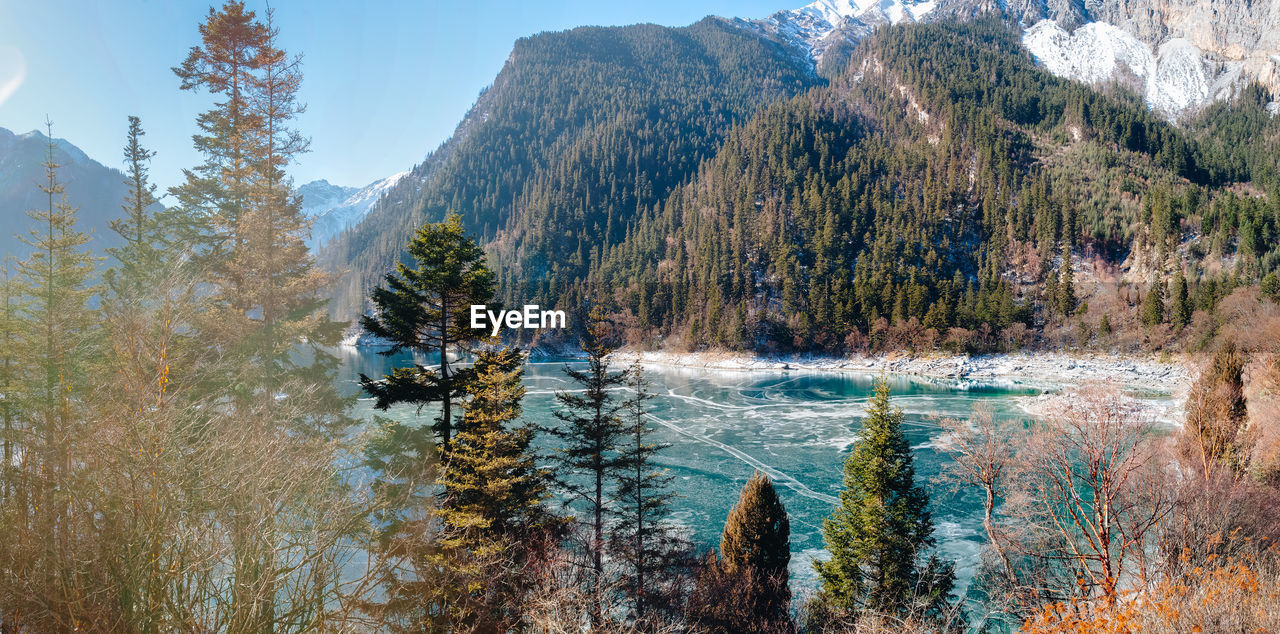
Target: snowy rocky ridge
column 815, row 27
column 334, row 208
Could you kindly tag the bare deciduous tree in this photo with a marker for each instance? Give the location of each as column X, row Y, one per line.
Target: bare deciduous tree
column 982, row 454
column 1093, row 488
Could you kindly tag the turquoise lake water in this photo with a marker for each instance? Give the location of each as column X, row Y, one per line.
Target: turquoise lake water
column 797, row 426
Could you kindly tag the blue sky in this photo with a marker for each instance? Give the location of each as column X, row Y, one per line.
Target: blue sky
column 386, row 81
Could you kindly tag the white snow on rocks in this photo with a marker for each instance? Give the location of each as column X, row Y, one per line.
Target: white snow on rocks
column 809, row 26
column 1175, row 79
column 336, row 209
column 1092, row 54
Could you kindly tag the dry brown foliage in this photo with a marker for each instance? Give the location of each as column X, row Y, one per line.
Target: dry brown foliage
column 1217, row 595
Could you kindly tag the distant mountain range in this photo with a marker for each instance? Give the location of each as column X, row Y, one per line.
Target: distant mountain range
column 334, row 208
column 96, row 189
column 1179, row 55
column 585, row 135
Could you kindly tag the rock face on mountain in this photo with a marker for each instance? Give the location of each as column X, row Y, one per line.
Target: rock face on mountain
column 1180, row 55
column 586, row 131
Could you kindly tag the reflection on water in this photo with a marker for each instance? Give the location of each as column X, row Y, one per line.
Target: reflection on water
column 797, row 426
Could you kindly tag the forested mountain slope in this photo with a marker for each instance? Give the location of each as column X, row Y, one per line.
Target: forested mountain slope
column 579, row 131
column 934, row 194
column 940, row 191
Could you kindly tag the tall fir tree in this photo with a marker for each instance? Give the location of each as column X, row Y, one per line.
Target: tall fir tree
column 267, row 372
column 881, row 531
column 493, row 518
column 59, row 339
column 755, row 551
column 1066, row 299
column 590, row 431
column 1270, row 286
column 1179, row 302
column 217, row 191
column 653, row 553
column 1217, row 414
column 9, row 407
column 492, row 484
column 1050, row 293
column 268, row 300
column 1153, row 308
column 57, row 346
column 424, row 308
column 142, row 255
column 148, row 303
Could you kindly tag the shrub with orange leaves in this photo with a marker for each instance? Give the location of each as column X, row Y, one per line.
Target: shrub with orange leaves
column 1241, row 594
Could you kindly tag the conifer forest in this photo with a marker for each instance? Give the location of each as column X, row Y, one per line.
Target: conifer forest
column 215, row 422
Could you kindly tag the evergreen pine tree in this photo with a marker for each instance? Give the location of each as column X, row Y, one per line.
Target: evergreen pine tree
column 9, row 308
column 267, row 375
column 590, row 432
column 1051, row 295
column 1217, row 413
column 58, row 340
column 424, row 308
column 492, row 507
column 1179, row 302
column 755, row 544
column 142, row 257
column 1153, row 304
column 757, row 532
column 492, row 485
column 1066, row 299
column 267, row 300
column 744, row 588
column 653, row 554
column 56, row 345
column 1271, row 286
column 149, row 303
column 216, row 192
column 881, row 529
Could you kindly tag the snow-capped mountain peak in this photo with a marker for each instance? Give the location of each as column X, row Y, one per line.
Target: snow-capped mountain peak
column 335, row 208
column 320, row 196
column 817, row 25
column 835, row 11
